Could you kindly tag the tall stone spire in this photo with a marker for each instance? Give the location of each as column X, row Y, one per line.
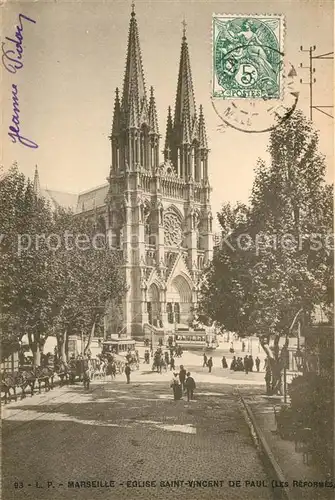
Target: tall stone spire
column 202, row 130
column 36, row 185
column 186, row 142
column 168, row 136
column 135, row 135
column 117, row 119
column 153, row 122
column 134, row 76
column 185, row 110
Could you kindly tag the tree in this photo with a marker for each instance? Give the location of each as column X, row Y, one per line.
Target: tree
column 86, row 276
column 55, row 275
column 276, row 257
column 24, row 287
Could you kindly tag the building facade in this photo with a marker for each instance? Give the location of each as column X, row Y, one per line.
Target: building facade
column 157, row 214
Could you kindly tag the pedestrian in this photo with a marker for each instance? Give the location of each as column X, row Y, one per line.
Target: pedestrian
column 190, row 386
column 251, row 363
column 224, row 362
column 182, row 376
column 205, row 360
column 172, row 364
column 258, row 362
column 127, row 371
column 176, row 387
column 233, row 364
column 246, row 364
column 166, row 356
column 210, row 364
column 243, row 346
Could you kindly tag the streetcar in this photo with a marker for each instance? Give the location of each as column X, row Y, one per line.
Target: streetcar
column 118, row 346
column 196, row 339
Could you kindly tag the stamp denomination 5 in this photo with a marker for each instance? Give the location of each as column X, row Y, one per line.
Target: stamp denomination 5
column 247, row 56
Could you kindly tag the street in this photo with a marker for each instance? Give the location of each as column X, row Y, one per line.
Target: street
column 134, row 440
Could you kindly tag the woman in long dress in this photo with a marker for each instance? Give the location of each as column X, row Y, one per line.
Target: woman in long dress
column 176, row 387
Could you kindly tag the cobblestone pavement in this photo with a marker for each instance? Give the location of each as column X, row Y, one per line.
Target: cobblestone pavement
column 136, row 432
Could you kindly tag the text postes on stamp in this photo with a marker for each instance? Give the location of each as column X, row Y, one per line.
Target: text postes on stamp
column 247, row 58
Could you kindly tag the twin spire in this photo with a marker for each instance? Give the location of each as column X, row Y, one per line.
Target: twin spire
column 133, row 110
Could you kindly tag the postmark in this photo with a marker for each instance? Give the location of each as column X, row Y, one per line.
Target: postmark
column 259, row 115
column 247, row 58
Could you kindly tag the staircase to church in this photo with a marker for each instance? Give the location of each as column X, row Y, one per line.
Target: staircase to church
column 152, row 332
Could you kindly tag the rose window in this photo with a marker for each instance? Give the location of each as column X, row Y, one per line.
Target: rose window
column 172, row 230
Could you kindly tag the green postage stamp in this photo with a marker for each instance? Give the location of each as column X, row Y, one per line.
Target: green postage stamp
column 247, row 56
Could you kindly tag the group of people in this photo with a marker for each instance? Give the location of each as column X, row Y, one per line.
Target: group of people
column 208, row 362
column 182, row 382
column 238, row 364
column 160, row 360
column 245, row 365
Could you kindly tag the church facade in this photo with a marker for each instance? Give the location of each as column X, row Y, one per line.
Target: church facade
column 157, row 214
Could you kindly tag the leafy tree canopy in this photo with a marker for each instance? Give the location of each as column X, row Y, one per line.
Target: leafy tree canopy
column 276, row 253
column 56, row 275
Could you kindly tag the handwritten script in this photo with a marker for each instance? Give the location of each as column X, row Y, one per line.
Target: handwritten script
column 12, row 59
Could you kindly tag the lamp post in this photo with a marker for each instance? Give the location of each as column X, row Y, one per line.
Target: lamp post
column 285, row 360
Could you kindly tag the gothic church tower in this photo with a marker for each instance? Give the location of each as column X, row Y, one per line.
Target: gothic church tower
column 158, row 214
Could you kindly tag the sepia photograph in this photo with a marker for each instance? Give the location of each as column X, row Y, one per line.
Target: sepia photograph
column 167, row 250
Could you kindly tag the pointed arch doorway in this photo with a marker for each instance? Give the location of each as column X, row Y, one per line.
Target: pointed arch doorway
column 179, row 301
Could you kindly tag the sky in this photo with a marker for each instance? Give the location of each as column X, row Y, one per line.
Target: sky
column 74, row 58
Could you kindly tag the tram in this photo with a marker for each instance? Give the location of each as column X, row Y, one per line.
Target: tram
column 118, row 346
column 196, row 339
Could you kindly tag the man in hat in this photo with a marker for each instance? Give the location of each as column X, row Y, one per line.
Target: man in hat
column 190, row 386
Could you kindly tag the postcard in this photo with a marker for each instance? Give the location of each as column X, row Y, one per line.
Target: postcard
column 167, row 249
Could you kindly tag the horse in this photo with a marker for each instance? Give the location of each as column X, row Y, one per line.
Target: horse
column 28, row 380
column 46, row 375
column 74, row 370
column 99, row 371
column 62, row 371
column 111, row 369
column 10, row 381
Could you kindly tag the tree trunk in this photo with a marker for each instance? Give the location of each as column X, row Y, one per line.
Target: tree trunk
column 36, row 354
column 62, row 347
column 90, row 338
column 275, row 365
column 34, row 345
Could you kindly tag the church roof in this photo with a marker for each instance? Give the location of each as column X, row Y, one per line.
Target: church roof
column 93, row 198
column 55, row 198
column 59, row 198
column 82, row 202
